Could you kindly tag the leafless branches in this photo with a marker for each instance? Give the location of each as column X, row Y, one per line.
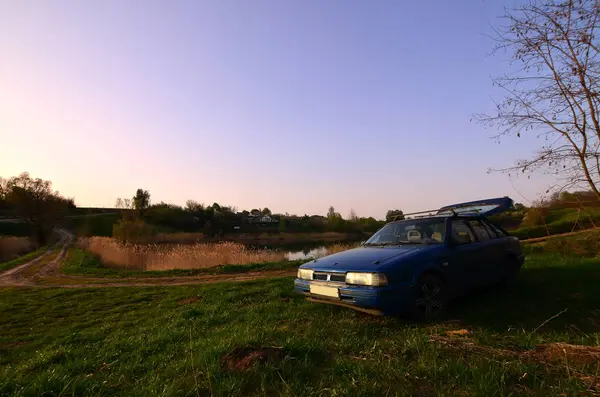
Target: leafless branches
column 554, row 91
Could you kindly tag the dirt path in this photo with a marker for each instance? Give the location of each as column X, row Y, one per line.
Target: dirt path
column 23, row 276
column 44, row 272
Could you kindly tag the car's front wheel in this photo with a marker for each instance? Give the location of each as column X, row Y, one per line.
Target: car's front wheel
column 430, row 299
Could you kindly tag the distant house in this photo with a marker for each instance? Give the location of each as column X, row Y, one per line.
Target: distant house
column 267, row 219
column 252, row 218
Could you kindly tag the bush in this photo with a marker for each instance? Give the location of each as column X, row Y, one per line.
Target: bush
column 535, row 217
column 133, row 232
column 99, row 225
column 15, row 229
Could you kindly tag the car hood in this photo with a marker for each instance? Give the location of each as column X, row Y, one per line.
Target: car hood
column 361, row 259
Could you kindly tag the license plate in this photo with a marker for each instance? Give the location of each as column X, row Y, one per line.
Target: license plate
column 324, row 290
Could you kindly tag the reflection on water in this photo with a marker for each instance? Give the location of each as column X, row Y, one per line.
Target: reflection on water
column 306, row 253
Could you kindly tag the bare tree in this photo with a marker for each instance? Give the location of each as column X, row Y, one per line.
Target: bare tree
column 554, row 91
column 352, row 215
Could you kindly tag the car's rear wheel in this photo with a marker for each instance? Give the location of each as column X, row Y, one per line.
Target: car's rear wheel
column 431, row 297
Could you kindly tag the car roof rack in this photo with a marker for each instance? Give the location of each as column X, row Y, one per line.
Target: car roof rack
column 439, row 213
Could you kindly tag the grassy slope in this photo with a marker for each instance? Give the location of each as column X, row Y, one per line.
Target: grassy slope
column 22, row 259
column 81, row 262
column 562, row 220
column 142, row 341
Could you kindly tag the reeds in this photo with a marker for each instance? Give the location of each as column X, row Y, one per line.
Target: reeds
column 175, row 256
column 12, row 247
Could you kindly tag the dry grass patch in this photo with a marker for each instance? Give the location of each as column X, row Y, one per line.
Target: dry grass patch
column 187, row 301
column 13, row 247
column 153, row 257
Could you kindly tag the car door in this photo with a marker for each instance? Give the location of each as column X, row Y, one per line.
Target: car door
column 500, row 243
column 461, row 264
column 489, row 252
column 463, row 257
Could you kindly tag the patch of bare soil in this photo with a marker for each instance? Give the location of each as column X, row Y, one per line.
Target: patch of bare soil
column 466, row 345
column 458, row 332
column 187, row 301
column 577, row 355
column 241, row 359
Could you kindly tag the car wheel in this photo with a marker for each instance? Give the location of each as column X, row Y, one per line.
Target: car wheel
column 430, row 300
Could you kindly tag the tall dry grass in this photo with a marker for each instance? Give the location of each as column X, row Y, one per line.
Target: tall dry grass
column 12, row 247
column 174, row 256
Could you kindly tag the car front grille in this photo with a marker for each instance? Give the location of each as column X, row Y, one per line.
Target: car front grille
column 332, row 277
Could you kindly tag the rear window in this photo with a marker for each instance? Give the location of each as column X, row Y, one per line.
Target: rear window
column 480, row 231
column 499, row 233
column 491, row 231
column 461, row 234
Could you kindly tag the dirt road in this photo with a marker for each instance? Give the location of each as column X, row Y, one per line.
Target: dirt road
column 44, row 272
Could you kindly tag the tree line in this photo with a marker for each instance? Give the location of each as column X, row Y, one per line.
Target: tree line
column 218, row 219
column 34, row 202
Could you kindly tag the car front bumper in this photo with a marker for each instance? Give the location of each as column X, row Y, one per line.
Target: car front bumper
column 390, row 299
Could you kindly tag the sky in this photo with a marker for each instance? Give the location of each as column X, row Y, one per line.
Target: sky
column 294, row 105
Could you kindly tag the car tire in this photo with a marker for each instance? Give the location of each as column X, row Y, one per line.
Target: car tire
column 430, row 298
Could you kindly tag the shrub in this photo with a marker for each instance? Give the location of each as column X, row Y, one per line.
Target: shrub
column 136, row 231
column 535, row 217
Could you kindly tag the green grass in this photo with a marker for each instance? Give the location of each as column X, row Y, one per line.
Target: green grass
column 586, row 243
column 22, row 259
column 81, row 262
column 145, row 341
column 562, row 220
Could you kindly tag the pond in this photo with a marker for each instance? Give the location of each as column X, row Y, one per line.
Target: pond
column 308, row 253
column 318, row 251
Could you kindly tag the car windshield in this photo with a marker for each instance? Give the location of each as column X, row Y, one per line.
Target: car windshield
column 410, row 231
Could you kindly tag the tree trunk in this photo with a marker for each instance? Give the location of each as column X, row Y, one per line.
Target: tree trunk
column 40, row 235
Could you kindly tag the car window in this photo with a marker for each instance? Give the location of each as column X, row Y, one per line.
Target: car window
column 461, row 234
column 491, row 230
column 480, row 231
column 411, row 231
column 499, row 232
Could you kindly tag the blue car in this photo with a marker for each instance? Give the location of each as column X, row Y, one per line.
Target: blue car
column 417, row 265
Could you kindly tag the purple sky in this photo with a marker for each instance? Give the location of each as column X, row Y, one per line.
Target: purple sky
column 293, row 106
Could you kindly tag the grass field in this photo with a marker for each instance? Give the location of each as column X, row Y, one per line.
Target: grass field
column 258, row 338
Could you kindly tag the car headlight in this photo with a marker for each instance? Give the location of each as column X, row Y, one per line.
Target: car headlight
column 305, row 274
column 372, row 279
